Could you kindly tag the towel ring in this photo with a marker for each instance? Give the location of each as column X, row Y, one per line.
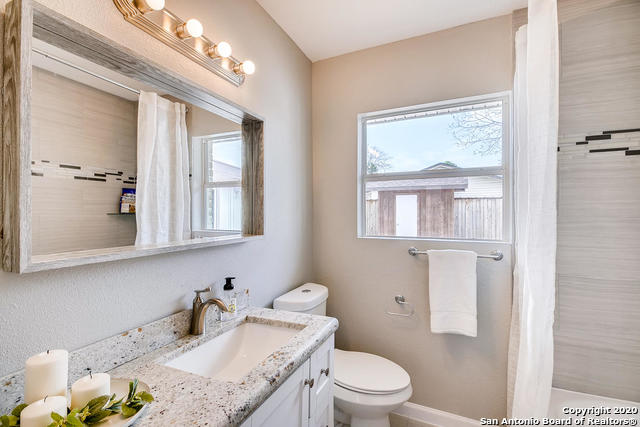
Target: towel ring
column 401, row 300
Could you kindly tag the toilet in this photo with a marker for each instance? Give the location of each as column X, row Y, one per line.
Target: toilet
column 366, row 387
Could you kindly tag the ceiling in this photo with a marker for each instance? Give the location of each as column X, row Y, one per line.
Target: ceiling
column 326, row 28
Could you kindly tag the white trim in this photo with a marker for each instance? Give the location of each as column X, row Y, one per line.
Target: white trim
column 438, row 173
column 223, row 184
column 507, row 164
column 434, row 416
column 199, row 181
column 195, row 181
column 361, row 168
column 437, row 105
column 505, row 169
column 215, row 233
column 223, row 136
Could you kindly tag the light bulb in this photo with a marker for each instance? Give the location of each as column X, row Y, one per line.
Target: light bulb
column 145, row 6
column 155, row 4
column 191, row 28
column 223, row 49
column 247, row 67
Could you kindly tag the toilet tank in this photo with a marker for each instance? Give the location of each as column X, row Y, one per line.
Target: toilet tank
column 309, row 298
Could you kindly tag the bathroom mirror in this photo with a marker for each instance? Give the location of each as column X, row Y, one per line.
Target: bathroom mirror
column 109, row 156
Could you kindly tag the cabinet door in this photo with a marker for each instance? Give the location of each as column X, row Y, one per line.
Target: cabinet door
column 288, row 406
column 321, row 401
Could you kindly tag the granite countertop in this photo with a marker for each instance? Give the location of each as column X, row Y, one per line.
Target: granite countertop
column 182, row 398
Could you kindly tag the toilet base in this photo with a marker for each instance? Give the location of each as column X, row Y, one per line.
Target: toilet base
column 366, row 410
column 340, row 418
column 344, row 420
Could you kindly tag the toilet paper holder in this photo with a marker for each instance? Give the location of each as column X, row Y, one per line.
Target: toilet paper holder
column 400, row 299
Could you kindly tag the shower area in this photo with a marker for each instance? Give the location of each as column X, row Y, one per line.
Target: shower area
column 597, row 313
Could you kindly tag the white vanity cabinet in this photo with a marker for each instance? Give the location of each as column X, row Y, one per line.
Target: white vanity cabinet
column 321, row 399
column 305, row 399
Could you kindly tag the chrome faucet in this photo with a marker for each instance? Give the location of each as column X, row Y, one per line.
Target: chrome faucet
column 200, row 310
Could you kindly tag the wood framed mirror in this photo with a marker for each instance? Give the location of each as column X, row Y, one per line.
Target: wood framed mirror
column 74, row 123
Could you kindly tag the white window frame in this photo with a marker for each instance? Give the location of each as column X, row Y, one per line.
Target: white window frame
column 200, row 182
column 506, row 169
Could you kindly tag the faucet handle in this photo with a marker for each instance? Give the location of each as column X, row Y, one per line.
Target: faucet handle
column 198, row 292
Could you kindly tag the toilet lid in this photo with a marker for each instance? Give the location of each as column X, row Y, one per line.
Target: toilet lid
column 368, row 373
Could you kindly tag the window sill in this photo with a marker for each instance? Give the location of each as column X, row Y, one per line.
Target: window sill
column 214, row 233
column 434, row 239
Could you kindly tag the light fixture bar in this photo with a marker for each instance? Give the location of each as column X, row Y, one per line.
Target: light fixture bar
column 165, row 26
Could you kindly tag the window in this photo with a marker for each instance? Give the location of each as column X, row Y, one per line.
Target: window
column 437, row 171
column 218, row 204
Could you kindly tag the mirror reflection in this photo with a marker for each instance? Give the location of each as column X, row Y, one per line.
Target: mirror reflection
column 118, row 163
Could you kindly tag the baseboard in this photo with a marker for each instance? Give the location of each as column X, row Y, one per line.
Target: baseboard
column 434, row 416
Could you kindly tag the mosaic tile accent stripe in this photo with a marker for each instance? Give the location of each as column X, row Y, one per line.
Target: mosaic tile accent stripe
column 614, row 142
column 597, row 137
column 49, row 169
column 604, row 150
column 621, row 131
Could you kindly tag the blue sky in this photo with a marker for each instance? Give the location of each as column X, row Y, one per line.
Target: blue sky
column 418, row 143
column 228, row 152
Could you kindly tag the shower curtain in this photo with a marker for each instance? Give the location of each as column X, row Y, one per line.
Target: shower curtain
column 163, row 201
column 536, row 135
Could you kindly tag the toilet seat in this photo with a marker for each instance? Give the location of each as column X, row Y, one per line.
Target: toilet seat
column 368, row 374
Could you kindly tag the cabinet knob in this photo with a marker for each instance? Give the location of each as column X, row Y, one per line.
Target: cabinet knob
column 309, row 382
column 324, row 371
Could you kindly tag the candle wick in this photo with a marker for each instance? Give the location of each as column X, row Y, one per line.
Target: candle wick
column 47, row 351
column 90, row 375
column 45, row 398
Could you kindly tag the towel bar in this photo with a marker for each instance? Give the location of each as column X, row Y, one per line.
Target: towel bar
column 495, row 255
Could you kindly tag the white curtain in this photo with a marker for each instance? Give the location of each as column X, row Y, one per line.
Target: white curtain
column 162, row 192
column 536, row 135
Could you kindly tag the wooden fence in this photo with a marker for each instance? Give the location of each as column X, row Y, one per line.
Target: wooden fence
column 479, row 219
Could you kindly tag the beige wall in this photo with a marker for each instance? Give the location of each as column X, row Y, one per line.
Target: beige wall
column 201, row 122
column 466, row 376
column 73, row 307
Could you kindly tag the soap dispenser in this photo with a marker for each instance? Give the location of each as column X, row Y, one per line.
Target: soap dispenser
column 228, row 286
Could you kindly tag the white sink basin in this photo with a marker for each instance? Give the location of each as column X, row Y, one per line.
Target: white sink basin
column 230, row 356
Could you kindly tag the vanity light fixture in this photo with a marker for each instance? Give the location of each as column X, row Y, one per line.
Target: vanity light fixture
column 191, row 28
column 146, row 6
column 220, row 50
column 245, row 68
column 187, row 37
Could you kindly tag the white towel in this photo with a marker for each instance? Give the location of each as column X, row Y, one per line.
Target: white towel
column 452, row 292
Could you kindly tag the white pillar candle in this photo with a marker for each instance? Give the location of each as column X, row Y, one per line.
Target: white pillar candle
column 46, row 375
column 89, row 387
column 38, row 414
